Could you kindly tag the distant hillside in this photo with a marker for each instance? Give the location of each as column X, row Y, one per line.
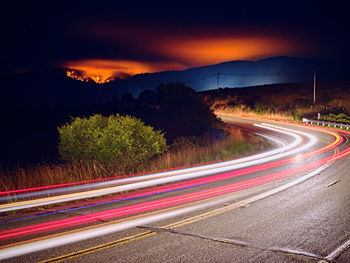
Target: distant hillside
column 239, row 74
column 291, row 98
column 53, row 87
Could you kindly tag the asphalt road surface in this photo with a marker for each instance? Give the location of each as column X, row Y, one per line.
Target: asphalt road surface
column 289, row 204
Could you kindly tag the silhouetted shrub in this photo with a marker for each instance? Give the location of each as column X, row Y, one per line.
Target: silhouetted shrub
column 147, row 97
column 116, row 139
column 183, row 112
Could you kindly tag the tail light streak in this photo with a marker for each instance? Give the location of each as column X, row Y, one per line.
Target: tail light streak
column 138, row 208
column 158, row 204
column 198, row 172
column 95, row 183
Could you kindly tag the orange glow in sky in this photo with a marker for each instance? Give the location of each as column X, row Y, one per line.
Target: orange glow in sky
column 185, row 53
column 199, row 52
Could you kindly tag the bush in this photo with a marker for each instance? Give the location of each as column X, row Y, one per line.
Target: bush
column 297, row 115
column 261, row 110
column 341, row 118
column 116, row 139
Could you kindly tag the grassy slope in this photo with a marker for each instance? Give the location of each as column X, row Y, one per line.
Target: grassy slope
column 282, row 100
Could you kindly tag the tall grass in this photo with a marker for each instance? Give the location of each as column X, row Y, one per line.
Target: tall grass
column 238, row 112
column 235, row 145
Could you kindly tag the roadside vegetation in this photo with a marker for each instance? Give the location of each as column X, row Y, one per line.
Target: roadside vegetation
column 291, row 101
column 257, row 111
column 121, row 140
column 171, row 127
column 184, row 118
column 340, row 118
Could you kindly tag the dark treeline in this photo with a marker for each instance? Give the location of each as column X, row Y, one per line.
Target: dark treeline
column 30, row 134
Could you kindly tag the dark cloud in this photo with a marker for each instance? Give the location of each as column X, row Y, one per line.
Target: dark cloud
column 48, row 33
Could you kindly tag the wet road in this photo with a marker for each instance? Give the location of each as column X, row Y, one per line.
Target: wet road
column 290, row 204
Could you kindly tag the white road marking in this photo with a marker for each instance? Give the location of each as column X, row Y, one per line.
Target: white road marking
column 336, row 253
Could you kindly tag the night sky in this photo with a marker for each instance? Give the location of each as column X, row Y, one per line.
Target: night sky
column 125, row 38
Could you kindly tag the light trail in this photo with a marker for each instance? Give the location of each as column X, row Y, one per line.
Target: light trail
column 11, row 251
column 109, row 181
column 198, row 182
column 203, row 171
column 183, row 222
column 143, row 207
column 273, row 139
column 154, row 191
column 40, row 244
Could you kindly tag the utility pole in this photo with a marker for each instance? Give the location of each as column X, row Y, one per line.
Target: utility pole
column 314, row 86
column 218, row 81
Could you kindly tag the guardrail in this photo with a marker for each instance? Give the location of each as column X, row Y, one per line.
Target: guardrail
column 327, row 124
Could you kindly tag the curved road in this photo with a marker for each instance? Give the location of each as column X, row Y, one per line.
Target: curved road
column 289, row 204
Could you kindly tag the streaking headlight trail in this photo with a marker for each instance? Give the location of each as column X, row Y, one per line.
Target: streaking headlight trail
column 198, row 172
column 284, row 148
column 128, row 216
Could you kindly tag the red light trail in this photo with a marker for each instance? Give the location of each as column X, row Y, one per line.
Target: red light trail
column 172, row 201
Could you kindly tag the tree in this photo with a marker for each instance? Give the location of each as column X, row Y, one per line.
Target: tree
column 185, row 112
column 121, row 140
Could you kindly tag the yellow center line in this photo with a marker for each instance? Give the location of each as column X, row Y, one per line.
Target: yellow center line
column 104, row 246
column 109, row 223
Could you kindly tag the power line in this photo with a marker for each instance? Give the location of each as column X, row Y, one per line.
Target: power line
column 265, row 74
column 248, row 75
column 314, row 86
column 218, row 81
column 217, row 76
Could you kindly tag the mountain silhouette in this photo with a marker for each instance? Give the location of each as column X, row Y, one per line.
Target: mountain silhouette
column 234, row 74
column 51, row 86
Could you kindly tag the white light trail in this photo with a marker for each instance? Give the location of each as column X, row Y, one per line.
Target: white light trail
column 184, row 174
column 22, row 249
column 160, row 174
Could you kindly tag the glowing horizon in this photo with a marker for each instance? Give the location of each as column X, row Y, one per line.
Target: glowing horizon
column 207, row 51
column 181, row 54
column 103, row 70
